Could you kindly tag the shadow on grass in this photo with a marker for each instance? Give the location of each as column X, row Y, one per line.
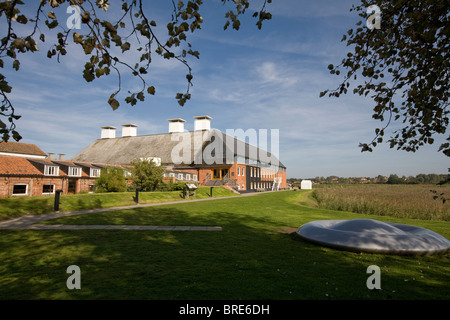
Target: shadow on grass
column 254, row 257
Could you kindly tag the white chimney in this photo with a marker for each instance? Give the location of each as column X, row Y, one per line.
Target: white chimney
column 129, row 130
column 176, row 125
column 108, row 132
column 202, row 123
column 51, row 156
column 62, row 156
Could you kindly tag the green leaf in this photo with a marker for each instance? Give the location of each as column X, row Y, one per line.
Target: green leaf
column 113, row 102
column 88, row 75
column 51, row 25
column 16, row 136
column 151, row 90
column 16, row 65
column 125, row 46
column 22, row 19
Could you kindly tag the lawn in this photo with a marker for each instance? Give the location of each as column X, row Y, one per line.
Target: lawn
column 18, row 206
column 255, row 256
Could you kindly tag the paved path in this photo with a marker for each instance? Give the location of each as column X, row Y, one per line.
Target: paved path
column 29, row 221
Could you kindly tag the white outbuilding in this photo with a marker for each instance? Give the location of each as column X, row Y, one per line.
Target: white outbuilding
column 306, row 184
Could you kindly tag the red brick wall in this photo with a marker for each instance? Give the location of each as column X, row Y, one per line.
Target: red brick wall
column 202, row 175
column 240, row 178
column 36, row 184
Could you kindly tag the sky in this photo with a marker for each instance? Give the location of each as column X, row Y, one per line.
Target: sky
column 248, row 79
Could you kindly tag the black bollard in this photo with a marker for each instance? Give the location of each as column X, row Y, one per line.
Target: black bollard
column 57, row 196
column 210, row 193
column 136, row 198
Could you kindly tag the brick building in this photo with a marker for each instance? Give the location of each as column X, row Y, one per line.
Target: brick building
column 25, row 170
column 206, row 155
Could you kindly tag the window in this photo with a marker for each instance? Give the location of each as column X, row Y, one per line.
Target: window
column 243, row 187
column 216, row 174
column 74, row 171
column 239, row 171
column 51, row 170
column 127, row 174
column 188, row 177
column 20, row 189
column 48, row 189
column 95, row 173
column 243, row 171
column 194, row 177
column 180, row 176
column 172, row 175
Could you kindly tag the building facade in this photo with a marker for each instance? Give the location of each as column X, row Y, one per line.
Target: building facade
column 204, row 156
column 214, row 158
column 25, row 170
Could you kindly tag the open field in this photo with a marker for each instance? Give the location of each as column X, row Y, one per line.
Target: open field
column 255, row 256
column 407, row 201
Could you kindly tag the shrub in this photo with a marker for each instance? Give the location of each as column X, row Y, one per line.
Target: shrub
column 111, row 179
column 146, row 174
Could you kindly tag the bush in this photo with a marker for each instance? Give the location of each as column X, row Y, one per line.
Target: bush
column 111, row 180
column 146, row 174
column 178, row 186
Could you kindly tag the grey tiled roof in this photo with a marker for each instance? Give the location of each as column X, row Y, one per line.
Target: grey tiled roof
column 124, row 150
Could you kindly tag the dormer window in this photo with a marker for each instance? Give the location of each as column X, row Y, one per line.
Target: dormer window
column 51, row 170
column 74, row 171
column 94, row 173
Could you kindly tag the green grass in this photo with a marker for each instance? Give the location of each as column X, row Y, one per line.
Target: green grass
column 256, row 256
column 18, row 206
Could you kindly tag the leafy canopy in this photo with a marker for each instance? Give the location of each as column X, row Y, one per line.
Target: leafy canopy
column 107, row 40
column 404, row 67
column 112, row 179
column 146, row 174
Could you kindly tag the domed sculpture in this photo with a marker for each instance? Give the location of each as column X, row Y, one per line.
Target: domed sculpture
column 368, row 235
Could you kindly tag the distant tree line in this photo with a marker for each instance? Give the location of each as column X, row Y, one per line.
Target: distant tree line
column 392, row 179
column 419, row 179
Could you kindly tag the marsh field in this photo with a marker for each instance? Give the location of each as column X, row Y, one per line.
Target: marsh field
column 428, row 202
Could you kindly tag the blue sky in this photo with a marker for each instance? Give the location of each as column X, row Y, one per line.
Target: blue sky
column 247, row 79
